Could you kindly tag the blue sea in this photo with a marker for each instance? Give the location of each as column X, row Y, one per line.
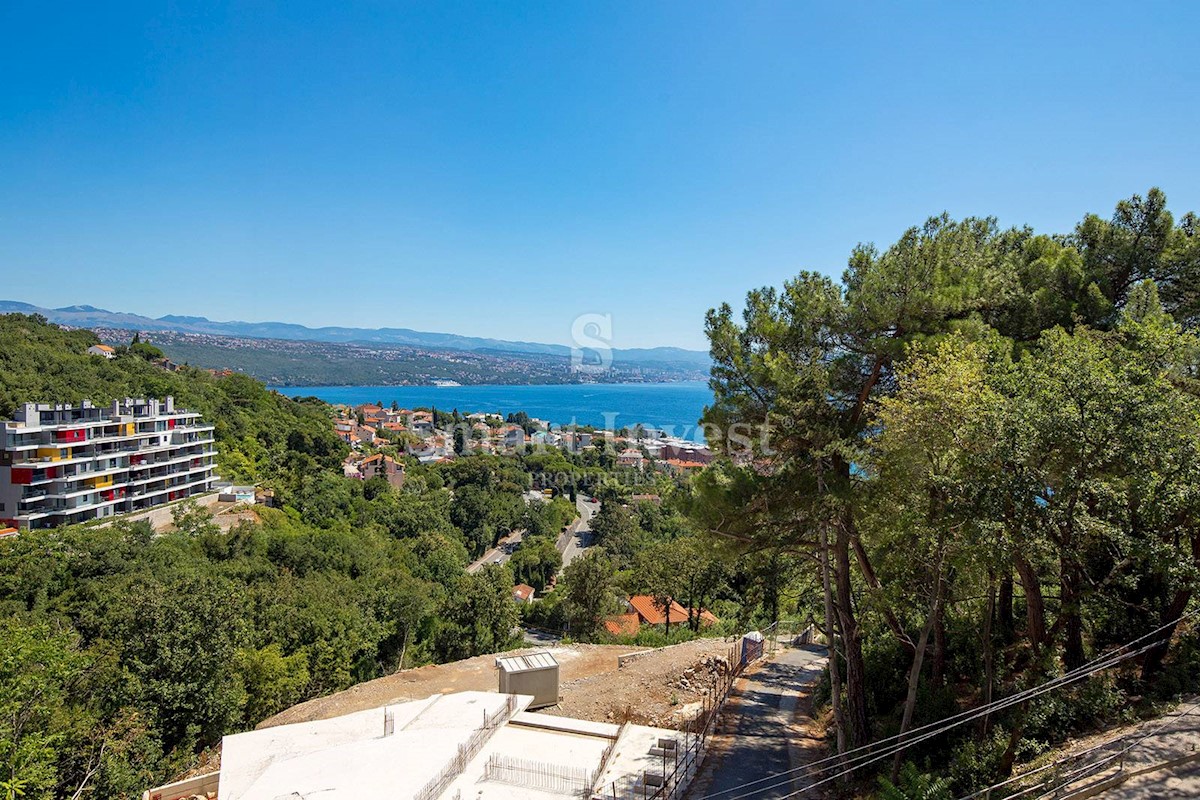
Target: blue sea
column 675, row 406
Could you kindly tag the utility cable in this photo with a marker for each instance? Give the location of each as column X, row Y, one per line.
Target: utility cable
column 917, row 735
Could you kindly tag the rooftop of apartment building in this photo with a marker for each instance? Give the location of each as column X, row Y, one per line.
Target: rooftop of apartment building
column 30, row 415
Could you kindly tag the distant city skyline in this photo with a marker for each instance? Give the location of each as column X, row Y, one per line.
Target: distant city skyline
column 500, row 170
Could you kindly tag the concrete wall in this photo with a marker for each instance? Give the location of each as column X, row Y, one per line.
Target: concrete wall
column 190, row 787
column 160, row 517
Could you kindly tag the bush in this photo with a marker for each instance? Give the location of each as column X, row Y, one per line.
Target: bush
column 912, row 784
column 975, row 764
column 1180, row 675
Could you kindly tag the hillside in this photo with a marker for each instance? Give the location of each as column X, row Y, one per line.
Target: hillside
column 262, row 436
column 289, row 362
column 86, row 316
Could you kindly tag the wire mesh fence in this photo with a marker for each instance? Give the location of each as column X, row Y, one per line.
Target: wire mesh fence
column 539, row 775
column 467, row 750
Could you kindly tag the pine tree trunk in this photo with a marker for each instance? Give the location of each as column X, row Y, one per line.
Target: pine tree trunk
column 856, row 694
column 939, row 647
column 1169, row 616
column 989, row 650
column 914, row 672
column 1004, row 615
column 1070, row 581
column 835, row 679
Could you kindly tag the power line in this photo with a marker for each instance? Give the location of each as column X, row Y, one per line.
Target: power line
column 917, row 735
column 1156, row 730
column 870, row 758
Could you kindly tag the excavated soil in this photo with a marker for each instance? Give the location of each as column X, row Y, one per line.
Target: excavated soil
column 655, row 688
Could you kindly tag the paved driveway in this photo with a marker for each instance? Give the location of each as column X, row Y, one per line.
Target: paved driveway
column 759, row 735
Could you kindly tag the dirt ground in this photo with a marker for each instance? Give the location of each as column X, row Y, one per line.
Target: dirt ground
column 227, row 515
column 662, row 688
column 653, row 689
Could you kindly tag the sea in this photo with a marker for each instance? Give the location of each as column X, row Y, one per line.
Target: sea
column 673, row 407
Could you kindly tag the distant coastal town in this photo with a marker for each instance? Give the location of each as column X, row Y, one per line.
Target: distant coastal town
column 432, row 436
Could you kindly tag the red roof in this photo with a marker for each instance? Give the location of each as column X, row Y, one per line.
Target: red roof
column 623, row 625
column 651, row 613
column 523, row 591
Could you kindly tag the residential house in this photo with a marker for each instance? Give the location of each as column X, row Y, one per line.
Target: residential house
column 381, row 465
column 102, row 350
column 650, row 612
column 680, row 467
column 630, row 458
column 523, row 593
column 513, row 437
column 687, row 451
column 624, row 624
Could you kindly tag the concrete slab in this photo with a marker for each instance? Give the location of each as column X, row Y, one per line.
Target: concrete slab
column 362, row 755
column 246, row 756
column 637, row 752
column 566, row 724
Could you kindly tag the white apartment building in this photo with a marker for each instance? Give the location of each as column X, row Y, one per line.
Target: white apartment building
column 62, row 464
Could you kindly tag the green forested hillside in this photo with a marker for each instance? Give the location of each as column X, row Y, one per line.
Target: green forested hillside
column 263, row 436
column 124, row 655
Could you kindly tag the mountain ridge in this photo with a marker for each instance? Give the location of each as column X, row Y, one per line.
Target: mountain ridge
column 87, row 316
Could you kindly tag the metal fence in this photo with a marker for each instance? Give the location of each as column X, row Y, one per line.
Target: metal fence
column 540, row 775
column 680, row 757
column 467, row 750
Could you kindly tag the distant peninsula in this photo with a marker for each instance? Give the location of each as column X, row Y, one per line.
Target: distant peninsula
column 285, row 354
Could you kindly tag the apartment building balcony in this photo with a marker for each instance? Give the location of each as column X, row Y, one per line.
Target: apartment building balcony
column 181, row 458
column 167, row 494
column 33, row 497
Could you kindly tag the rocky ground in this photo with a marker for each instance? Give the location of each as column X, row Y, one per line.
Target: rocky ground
column 661, row 688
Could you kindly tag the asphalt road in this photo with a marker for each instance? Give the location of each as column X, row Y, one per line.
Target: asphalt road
column 500, row 553
column 758, row 737
column 578, row 536
column 572, row 543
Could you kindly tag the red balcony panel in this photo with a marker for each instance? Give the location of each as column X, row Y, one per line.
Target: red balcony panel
column 51, row 472
column 71, row 435
column 170, row 424
column 21, row 477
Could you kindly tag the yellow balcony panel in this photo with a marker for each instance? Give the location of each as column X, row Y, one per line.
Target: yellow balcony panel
column 51, row 453
column 100, row 481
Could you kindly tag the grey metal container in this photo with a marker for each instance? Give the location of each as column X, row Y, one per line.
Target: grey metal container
column 535, row 674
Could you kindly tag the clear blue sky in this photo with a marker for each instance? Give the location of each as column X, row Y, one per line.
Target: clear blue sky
column 499, row 168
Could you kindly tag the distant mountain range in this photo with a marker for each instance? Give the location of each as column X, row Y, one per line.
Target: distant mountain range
column 85, row 316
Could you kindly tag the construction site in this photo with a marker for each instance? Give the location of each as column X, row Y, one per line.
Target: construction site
column 466, row 740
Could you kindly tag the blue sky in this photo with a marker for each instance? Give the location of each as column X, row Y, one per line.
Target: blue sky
column 497, row 169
